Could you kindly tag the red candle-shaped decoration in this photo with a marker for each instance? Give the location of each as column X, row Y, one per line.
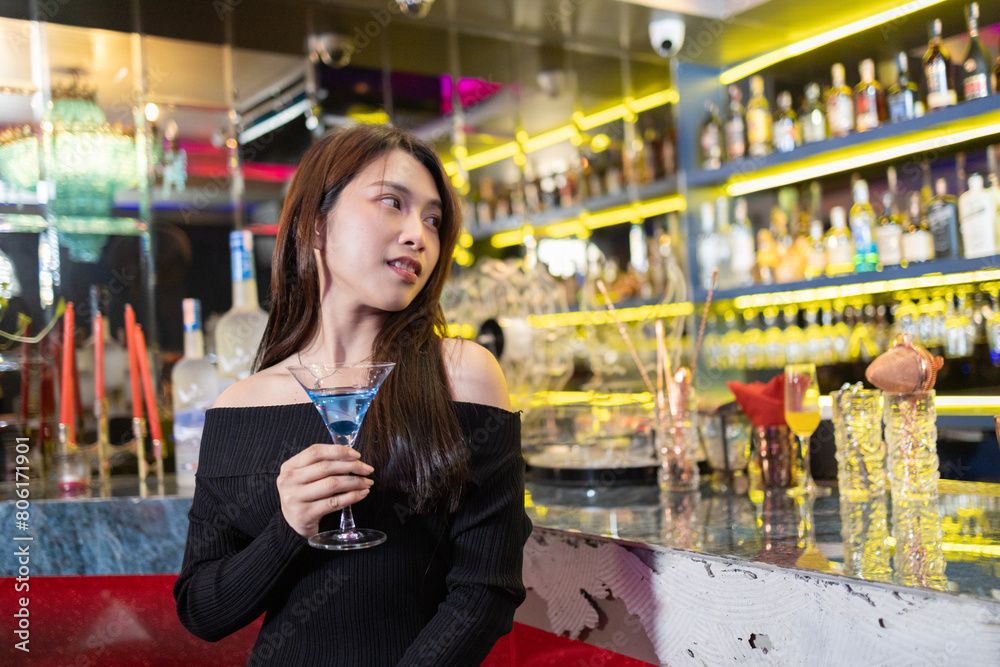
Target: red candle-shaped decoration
column 98, row 358
column 67, row 402
column 147, row 386
column 133, row 362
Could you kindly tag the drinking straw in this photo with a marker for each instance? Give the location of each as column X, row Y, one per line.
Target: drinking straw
column 625, row 336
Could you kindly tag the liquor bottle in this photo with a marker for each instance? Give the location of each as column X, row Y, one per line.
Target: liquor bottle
column 869, row 99
column 708, row 245
column 723, row 248
column 240, row 329
column 711, row 138
column 787, row 132
column 195, row 386
column 862, row 219
column 996, row 74
column 812, row 116
column 839, row 104
column 918, row 246
column 903, row 94
column 977, row 218
column 741, row 245
column 937, row 71
column 942, row 220
column 816, row 256
column 839, row 246
column 888, row 233
column 736, row 125
column 978, row 81
column 759, row 122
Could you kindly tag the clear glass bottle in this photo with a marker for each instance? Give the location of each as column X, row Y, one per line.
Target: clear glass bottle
column 839, row 245
column 918, row 246
column 736, row 125
column 977, row 218
column 742, row 249
column 942, row 221
column 723, row 248
column 816, row 255
column 869, row 99
column 904, row 94
column 787, row 132
column 759, row 121
column 862, row 219
column 889, row 233
column 195, row 386
column 241, row 328
column 977, row 81
column 813, row 116
column 839, row 104
column 938, row 72
column 711, row 138
column 708, row 245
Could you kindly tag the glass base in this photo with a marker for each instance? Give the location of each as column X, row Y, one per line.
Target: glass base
column 359, row 538
column 810, row 488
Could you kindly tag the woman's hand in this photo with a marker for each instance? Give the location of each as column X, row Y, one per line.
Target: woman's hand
column 320, row 480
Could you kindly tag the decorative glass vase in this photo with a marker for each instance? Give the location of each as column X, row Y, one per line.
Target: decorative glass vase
column 911, row 441
column 857, row 428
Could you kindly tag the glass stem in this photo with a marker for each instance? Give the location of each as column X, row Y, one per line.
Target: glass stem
column 346, row 520
column 806, row 467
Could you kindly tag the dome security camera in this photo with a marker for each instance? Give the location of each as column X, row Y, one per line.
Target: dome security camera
column 666, row 35
column 331, row 49
column 415, row 9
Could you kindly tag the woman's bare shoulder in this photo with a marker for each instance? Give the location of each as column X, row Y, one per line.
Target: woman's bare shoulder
column 271, row 386
column 474, row 374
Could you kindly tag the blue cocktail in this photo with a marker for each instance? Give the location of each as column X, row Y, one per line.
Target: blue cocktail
column 342, row 393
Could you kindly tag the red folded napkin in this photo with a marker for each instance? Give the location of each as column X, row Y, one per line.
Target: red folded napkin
column 763, row 403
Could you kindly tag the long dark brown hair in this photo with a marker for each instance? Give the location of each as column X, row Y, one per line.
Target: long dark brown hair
column 411, row 433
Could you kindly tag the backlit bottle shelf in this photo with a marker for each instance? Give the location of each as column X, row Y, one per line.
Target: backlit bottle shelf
column 636, row 205
column 924, row 275
column 950, row 127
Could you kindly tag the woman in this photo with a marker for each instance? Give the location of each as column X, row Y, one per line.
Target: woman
column 363, row 251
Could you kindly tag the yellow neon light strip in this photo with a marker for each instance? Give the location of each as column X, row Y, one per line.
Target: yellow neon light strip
column 668, row 96
column 597, row 317
column 661, row 206
column 756, row 64
column 601, row 117
column 542, row 398
column 549, row 138
column 587, row 221
column 491, row 155
column 561, row 230
column 855, row 157
column 509, row 238
column 612, row 216
column 532, row 144
column 862, row 289
column 957, row 547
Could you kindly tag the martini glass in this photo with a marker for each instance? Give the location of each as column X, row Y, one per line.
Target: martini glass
column 342, row 394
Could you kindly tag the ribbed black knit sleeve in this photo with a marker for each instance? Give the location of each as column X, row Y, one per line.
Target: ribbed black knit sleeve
column 488, row 536
column 226, row 576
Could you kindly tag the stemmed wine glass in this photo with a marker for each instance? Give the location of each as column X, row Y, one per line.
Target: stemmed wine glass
column 802, row 416
column 342, row 393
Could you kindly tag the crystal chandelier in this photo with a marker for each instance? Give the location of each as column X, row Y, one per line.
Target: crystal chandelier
column 87, row 161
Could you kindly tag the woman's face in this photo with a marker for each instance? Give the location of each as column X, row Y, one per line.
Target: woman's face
column 380, row 240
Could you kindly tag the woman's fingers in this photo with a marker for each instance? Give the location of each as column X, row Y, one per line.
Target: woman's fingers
column 319, row 480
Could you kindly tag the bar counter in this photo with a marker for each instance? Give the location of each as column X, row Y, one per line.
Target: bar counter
column 634, row 575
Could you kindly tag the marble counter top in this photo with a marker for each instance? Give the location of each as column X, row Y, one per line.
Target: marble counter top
column 783, row 531
column 117, row 531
